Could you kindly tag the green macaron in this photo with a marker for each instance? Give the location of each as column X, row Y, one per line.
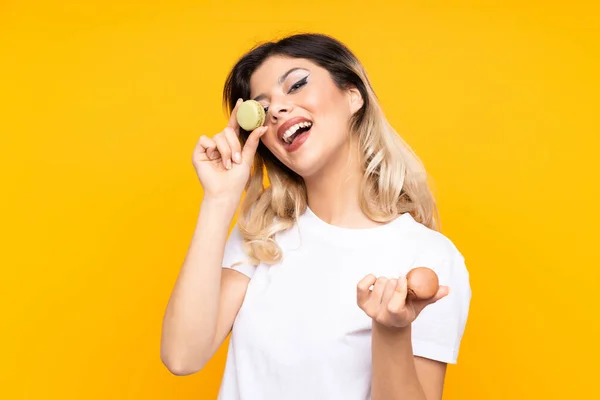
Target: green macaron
column 250, row 115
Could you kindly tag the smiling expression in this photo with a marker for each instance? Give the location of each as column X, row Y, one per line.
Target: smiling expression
column 307, row 115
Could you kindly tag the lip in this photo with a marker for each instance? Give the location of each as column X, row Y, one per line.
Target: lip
column 288, row 124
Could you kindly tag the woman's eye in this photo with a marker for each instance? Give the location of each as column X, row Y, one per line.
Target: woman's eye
column 298, row 84
column 266, row 109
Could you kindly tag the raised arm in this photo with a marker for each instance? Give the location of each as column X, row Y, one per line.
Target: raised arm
column 206, row 298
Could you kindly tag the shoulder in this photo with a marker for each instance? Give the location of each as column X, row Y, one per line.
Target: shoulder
column 426, row 240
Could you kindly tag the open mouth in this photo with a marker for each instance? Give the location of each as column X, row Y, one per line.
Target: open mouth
column 295, row 131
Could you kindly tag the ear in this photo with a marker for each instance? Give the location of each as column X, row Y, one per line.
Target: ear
column 355, row 100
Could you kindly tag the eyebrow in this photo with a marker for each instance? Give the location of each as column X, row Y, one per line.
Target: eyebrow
column 279, row 81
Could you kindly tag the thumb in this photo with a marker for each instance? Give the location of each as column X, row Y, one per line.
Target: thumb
column 442, row 292
column 252, row 144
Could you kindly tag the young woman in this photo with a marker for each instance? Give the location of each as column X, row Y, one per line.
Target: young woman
column 311, row 281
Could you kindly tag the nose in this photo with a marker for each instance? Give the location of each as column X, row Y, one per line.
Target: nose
column 279, row 109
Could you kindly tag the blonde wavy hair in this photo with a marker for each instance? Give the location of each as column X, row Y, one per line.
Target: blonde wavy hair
column 394, row 180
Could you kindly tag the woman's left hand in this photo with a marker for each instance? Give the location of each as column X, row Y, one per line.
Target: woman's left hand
column 388, row 303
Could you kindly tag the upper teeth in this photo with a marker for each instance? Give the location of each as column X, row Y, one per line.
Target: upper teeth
column 291, row 130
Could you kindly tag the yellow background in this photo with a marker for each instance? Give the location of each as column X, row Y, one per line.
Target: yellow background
column 102, row 103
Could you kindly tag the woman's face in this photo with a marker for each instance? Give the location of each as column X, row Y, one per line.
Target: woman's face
column 307, row 114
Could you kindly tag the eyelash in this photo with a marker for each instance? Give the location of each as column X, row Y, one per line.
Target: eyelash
column 298, row 84
column 294, row 87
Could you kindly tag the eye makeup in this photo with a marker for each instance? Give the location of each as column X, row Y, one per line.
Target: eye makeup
column 295, row 87
column 299, row 84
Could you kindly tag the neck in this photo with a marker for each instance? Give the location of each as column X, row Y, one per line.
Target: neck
column 333, row 192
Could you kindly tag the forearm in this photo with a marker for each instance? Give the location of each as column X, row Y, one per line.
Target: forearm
column 190, row 318
column 394, row 375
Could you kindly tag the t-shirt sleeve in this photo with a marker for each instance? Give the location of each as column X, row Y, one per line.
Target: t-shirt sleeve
column 439, row 328
column 234, row 256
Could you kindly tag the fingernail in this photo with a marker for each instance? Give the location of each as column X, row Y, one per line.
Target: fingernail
column 239, row 100
column 228, row 164
column 237, row 157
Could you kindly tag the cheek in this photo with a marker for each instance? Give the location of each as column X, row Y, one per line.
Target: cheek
column 272, row 143
column 319, row 101
column 328, row 106
column 269, row 139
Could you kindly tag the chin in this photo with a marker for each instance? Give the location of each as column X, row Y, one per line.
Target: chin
column 309, row 159
column 307, row 165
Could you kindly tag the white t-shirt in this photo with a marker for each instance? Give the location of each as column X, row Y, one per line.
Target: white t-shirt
column 300, row 333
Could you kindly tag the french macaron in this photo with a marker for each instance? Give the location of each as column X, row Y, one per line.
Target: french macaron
column 250, row 115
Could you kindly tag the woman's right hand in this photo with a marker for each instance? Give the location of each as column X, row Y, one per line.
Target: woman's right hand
column 222, row 166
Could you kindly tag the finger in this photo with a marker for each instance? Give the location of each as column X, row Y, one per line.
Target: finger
column 224, row 150
column 204, row 148
column 234, row 144
column 398, row 300
column 442, row 292
column 252, row 144
column 378, row 288
column 388, row 291
column 213, row 154
column 362, row 289
column 233, row 124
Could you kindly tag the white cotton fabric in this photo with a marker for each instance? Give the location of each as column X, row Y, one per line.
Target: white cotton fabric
column 300, row 333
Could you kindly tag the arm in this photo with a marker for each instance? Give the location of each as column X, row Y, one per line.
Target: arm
column 205, row 299
column 397, row 374
column 413, row 340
